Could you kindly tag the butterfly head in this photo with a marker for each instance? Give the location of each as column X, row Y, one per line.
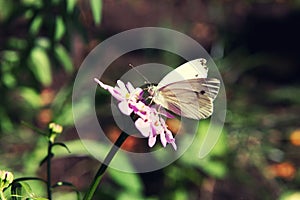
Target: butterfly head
column 152, row 90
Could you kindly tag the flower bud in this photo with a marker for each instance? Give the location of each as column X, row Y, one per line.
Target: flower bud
column 6, row 178
column 54, row 129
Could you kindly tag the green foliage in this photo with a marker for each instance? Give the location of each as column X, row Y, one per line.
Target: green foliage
column 31, row 55
column 71, row 5
column 30, row 96
column 22, row 191
column 96, row 6
column 130, row 183
column 213, row 163
column 59, row 28
column 36, row 25
column 63, row 57
column 40, row 66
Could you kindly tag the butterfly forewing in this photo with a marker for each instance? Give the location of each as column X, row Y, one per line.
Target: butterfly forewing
column 193, row 69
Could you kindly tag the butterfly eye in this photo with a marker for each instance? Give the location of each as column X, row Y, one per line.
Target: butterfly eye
column 202, row 92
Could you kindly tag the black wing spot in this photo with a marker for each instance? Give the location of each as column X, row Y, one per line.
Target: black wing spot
column 196, row 75
column 199, row 94
column 202, row 61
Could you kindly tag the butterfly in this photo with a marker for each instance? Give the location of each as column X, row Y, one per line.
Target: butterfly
column 187, row 91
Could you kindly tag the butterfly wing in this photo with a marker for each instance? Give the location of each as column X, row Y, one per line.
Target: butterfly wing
column 192, row 98
column 190, row 70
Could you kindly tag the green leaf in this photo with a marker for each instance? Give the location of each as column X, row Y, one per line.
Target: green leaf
column 30, row 96
column 130, row 181
column 59, row 28
column 10, row 56
column 6, row 124
column 290, row 195
column 221, row 146
column 63, row 56
column 16, row 191
column 40, row 65
column 20, row 190
column 33, row 3
column 96, row 6
column 66, row 116
column 65, row 196
column 181, row 195
column 62, row 145
column 9, row 80
column 71, row 5
column 215, row 169
column 210, row 164
column 123, row 195
column 7, row 9
column 36, row 25
column 17, row 43
column 43, row 42
column 67, row 184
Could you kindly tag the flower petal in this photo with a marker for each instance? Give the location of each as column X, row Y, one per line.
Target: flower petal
column 169, row 136
column 123, row 106
column 174, row 145
column 123, row 88
column 143, row 127
column 170, row 139
column 151, row 140
column 163, row 139
column 104, row 86
column 115, row 93
column 130, row 87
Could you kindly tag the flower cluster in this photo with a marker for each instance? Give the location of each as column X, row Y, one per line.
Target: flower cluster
column 150, row 122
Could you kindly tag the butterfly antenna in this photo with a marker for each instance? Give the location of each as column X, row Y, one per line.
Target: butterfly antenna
column 146, row 80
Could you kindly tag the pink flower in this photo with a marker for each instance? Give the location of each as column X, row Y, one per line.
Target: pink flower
column 150, row 123
column 127, row 95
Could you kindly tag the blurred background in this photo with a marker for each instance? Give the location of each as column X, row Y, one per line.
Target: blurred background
column 254, row 44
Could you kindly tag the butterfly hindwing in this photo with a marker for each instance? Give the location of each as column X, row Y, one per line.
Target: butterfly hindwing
column 190, row 108
column 192, row 98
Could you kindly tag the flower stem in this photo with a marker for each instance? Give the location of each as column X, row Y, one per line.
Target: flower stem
column 114, row 149
column 49, row 156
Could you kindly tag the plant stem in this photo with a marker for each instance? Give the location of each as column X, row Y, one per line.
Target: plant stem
column 49, row 156
column 114, row 149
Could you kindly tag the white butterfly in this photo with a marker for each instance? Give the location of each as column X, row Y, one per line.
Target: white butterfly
column 187, row 91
